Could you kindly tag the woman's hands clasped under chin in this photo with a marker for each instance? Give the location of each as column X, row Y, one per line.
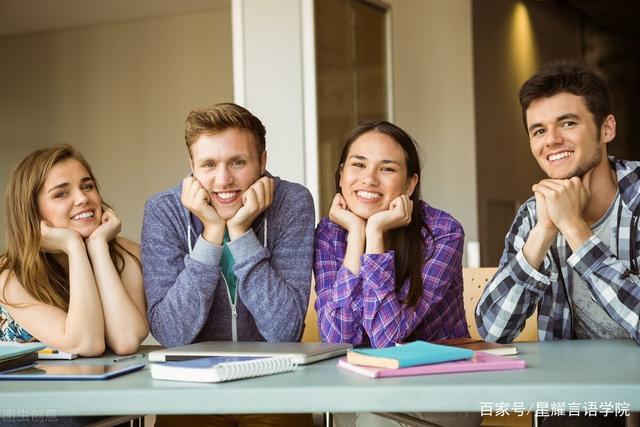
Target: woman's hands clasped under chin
column 374, row 228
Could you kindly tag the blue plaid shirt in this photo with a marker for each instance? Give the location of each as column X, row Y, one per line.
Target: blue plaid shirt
column 609, row 270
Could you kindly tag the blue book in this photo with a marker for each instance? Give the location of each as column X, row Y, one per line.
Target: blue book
column 11, row 350
column 221, row 368
column 406, row 355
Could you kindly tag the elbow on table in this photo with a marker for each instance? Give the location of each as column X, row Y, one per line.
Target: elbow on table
column 128, row 343
column 89, row 348
column 124, row 347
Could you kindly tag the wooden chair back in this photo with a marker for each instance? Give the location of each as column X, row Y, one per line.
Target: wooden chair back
column 475, row 279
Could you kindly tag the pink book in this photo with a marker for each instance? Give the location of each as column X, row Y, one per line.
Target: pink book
column 479, row 362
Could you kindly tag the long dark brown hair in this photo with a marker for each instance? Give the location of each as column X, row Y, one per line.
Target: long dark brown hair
column 38, row 272
column 407, row 242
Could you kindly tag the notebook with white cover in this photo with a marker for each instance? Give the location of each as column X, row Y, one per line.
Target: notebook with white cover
column 302, row 353
column 50, row 353
column 221, row 368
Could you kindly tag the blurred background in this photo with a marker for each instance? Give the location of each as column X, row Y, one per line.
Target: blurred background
column 116, row 80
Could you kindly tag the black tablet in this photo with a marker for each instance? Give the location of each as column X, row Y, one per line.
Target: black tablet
column 70, row 371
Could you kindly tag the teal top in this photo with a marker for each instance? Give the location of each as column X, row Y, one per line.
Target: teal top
column 226, row 265
column 10, row 330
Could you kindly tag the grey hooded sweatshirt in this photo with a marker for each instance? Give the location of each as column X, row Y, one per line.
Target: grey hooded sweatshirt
column 187, row 298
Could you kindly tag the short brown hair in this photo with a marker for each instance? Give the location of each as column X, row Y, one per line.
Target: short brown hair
column 571, row 76
column 217, row 118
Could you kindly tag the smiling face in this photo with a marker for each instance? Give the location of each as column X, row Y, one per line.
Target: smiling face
column 374, row 173
column 563, row 136
column 226, row 165
column 69, row 198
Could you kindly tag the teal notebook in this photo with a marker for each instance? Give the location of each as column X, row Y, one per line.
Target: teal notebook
column 10, row 350
column 411, row 354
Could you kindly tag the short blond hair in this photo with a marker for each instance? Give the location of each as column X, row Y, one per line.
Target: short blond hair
column 217, row 118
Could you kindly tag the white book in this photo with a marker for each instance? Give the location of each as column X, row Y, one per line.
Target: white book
column 55, row 354
column 221, row 368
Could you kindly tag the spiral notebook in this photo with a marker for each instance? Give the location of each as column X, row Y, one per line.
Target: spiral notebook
column 221, row 368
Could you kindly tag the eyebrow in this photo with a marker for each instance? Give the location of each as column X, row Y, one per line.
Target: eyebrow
column 66, row 184
column 559, row 119
column 382, row 161
column 240, row 156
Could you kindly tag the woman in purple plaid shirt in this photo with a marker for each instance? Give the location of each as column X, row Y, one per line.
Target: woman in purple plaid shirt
column 388, row 266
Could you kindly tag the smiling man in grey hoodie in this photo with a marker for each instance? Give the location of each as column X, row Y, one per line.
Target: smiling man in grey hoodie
column 227, row 253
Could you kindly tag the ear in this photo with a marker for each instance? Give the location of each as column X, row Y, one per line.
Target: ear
column 608, row 129
column 263, row 162
column 411, row 184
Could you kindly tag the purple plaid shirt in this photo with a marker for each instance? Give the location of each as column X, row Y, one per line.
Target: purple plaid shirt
column 364, row 309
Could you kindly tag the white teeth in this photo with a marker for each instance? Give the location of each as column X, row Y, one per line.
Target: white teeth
column 559, row 156
column 368, row 195
column 83, row 215
column 226, row 196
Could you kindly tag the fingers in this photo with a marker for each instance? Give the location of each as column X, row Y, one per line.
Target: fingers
column 260, row 195
column 107, row 215
column 250, row 199
column 402, row 207
column 194, row 196
column 268, row 190
column 338, row 202
column 45, row 226
column 552, row 188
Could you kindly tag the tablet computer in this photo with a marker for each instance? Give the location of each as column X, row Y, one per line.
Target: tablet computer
column 70, row 371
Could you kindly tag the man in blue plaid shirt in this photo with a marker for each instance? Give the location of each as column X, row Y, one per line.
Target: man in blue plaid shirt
column 572, row 251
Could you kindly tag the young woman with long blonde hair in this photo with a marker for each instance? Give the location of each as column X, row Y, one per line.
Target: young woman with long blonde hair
column 67, row 279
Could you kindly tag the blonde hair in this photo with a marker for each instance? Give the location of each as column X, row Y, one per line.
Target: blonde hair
column 38, row 272
column 220, row 117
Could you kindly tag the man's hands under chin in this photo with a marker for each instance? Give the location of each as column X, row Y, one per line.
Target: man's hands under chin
column 561, row 202
column 255, row 200
column 195, row 198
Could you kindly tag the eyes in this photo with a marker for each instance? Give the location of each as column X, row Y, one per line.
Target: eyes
column 236, row 163
column 566, row 124
column 384, row 168
column 85, row 187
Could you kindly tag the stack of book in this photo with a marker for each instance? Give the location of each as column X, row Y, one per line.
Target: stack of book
column 479, row 345
column 423, row 358
column 18, row 355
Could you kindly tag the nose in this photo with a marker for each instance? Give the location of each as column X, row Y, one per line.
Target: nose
column 370, row 177
column 80, row 197
column 223, row 177
column 553, row 137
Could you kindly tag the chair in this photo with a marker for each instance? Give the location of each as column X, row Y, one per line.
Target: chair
column 311, row 332
column 475, row 279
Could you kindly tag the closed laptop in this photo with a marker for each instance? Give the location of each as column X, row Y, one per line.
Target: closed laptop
column 303, row 353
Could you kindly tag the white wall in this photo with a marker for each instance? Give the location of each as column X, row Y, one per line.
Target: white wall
column 274, row 77
column 117, row 92
column 433, row 99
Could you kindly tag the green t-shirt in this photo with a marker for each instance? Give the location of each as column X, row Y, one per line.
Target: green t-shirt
column 226, row 265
